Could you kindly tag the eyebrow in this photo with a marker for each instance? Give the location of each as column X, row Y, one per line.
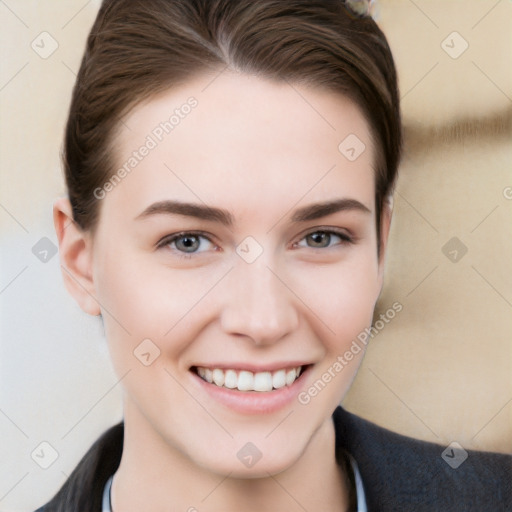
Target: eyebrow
column 304, row 214
column 319, row 210
column 198, row 211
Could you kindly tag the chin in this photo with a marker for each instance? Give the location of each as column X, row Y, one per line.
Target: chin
column 272, row 462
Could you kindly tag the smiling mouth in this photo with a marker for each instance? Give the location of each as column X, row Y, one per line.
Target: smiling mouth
column 243, row 380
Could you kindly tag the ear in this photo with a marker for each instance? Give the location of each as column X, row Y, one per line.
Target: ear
column 385, row 225
column 75, row 249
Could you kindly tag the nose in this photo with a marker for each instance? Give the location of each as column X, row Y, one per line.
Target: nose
column 259, row 305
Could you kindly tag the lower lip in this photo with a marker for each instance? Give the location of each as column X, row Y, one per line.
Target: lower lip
column 254, row 402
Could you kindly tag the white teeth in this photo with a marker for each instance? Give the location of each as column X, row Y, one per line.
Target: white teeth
column 218, row 377
column 279, row 379
column 230, row 379
column 291, row 375
column 263, row 381
column 244, row 380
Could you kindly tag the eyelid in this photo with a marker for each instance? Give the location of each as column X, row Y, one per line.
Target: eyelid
column 168, row 239
column 346, row 236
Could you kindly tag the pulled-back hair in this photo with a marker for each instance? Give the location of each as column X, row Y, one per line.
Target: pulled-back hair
column 139, row 48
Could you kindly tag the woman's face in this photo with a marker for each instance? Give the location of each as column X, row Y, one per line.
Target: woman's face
column 277, row 267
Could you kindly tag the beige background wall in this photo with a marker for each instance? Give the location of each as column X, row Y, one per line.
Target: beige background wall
column 440, row 370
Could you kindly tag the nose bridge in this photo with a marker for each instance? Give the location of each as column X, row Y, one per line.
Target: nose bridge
column 259, row 305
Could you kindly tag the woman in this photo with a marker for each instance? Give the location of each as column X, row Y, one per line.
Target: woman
column 230, row 168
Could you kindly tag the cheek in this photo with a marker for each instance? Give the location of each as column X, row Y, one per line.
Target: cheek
column 344, row 303
column 342, row 297
column 142, row 301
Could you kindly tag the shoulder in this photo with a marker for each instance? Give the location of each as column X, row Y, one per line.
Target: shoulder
column 83, row 490
column 401, row 473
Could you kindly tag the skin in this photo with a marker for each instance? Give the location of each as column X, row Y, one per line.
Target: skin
column 257, row 149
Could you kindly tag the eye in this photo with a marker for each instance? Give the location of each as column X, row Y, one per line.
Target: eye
column 187, row 242
column 324, row 238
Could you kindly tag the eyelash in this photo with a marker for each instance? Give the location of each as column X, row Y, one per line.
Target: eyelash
column 345, row 239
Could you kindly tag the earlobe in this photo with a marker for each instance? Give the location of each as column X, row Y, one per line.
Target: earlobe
column 75, row 251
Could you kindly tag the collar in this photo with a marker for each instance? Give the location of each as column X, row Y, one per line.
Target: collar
column 361, row 499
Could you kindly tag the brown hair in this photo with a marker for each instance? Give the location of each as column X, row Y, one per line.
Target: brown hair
column 138, row 48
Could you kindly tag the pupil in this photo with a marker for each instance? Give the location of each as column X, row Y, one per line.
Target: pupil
column 320, row 238
column 188, row 243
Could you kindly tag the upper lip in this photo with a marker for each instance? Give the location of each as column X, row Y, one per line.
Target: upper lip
column 251, row 367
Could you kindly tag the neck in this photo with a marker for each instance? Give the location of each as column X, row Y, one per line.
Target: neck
column 153, row 476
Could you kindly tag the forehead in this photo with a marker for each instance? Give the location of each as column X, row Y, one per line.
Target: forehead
column 245, row 142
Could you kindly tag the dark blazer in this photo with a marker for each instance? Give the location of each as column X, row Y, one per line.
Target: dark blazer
column 399, row 474
column 403, row 474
